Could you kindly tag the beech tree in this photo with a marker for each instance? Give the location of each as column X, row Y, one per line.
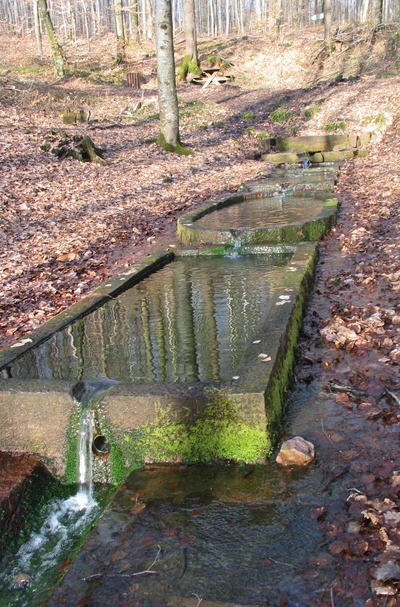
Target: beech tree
column 327, row 25
column 167, row 98
column 56, row 50
column 119, row 21
column 190, row 62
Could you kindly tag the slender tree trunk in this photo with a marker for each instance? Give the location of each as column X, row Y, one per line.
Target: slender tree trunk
column 58, row 58
column 227, row 18
column 379, row 11
column 327, row 24
column 149, row 32
column 38, row 32
column 119, row 21
column 135, row 20
column 364, row 11
column 85, row 20
column 190, row 30
column 167, row 98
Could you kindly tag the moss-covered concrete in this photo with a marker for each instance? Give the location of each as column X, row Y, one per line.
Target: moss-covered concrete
column 168, row 423
column 335, row 156
column 191, row 233
column 310, row 143
column 265, row 381
column 178, row 422
column 281, row 158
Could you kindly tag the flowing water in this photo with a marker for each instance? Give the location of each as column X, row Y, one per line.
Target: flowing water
column 238, row 534
column 264, row 212
column 188, row 322
column 25, row 577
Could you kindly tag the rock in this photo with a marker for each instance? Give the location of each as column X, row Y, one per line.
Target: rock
column 353, row 140
column 337, row 156
column 296, row 451
column 21, row 580
column 22, row 478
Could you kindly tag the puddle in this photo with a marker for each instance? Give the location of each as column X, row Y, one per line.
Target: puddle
column 188, row 322
column 264, row 212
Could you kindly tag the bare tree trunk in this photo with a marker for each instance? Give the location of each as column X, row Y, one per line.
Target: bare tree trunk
column 327, row 24
column 135, row 20
column 190, row 62
column 379, row 11
column 167, row 98
column 119, row 21
column 58, row 58
column 38, row 32
column 190, row 29
column 149, row 31
column 364, row 11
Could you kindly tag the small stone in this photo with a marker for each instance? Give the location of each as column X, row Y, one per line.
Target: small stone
column 21, row 580
column 296, row 451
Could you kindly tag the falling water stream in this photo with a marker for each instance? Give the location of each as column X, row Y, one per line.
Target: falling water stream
column 27, row 576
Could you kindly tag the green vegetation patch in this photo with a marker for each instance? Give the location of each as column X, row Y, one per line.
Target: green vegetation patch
column 220, row 434
column 333, row 127
column 281, row 114
column 376, row 120
column 310, row 112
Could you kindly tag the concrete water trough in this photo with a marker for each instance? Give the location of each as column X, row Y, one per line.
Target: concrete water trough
column 255, row 218
column 201, row 365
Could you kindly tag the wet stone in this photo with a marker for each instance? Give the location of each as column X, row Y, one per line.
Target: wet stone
column 296, row 451
column 17, row 472
column 21, row 580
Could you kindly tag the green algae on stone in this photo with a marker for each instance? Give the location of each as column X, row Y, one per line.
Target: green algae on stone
column 220, row 433
column 280, row 158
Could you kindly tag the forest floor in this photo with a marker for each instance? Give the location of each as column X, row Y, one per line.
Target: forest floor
column 66, row 226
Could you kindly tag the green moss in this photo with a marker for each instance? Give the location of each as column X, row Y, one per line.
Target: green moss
column 71, row 462
column 283, row 368
column 332, row 202
column 189, row 65
column 178, row 149
column 219, row 434
column 283, row 145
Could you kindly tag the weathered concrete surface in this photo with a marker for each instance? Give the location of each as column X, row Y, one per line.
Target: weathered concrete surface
column 34, row 418
column 260, row 379
column 191, row 233
column 310, row 143
column 281, row 158
column 111, row 288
